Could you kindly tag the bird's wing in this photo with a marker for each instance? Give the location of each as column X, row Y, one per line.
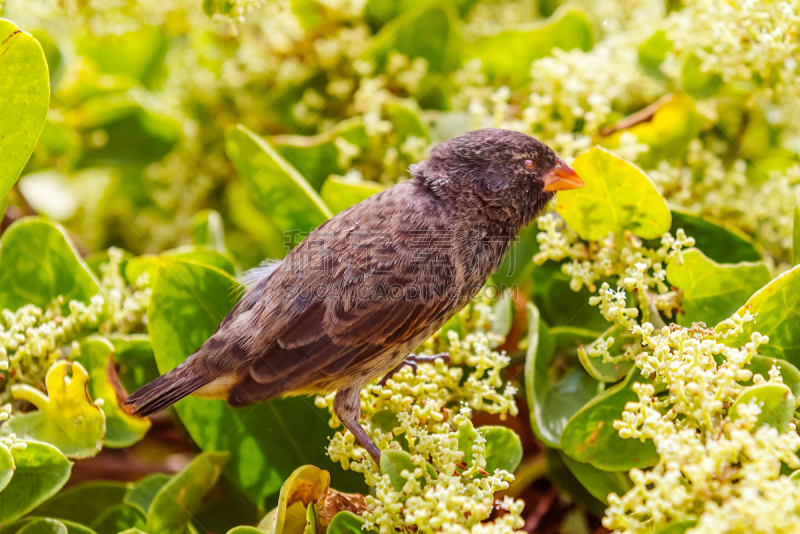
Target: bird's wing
column 352, row 298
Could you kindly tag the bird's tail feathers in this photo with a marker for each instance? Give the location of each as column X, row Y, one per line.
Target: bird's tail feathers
column 164, row 391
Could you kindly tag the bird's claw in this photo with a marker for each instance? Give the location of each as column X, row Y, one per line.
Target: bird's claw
column 413, row 360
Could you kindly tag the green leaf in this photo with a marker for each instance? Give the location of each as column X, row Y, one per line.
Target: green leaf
column 599, row 483
column 653, row 52
column 84, row 502
column 283, row 194
column 775, row 401
column 429, row 31
column 317, row 157
column 345, row 522
column 607, row 371
column 402, row 460
column 713, row 291
column 137, row 54
column 174, row 505
column 126, row 133
column 560, row 475
column 41, row 470
column 394, row 462
column 556, row 388
column 152, row 263
column 761, row 365
column 117, row 518
column 6, row 466
column 41, row 254
column 517, row 264
column 303, row 487
column 66, row 417
column 618, row 196
column 697, row 83
column 777, row 306
column 679, row 527
column 406, row 121
column 141, row 495
column 268, row 440
column 719, row 243
column 311, row 521
column 43, row 526
column 24, row 98
column 503, row 448
column 341, row 193
column 590, row 437
column 796, row 234
column 508, row 54
column 72, row 528
column 122, row 430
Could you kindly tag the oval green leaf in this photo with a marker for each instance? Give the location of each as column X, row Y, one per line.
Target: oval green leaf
column 775, row 401
column 503, row 448
column 41, row 470
column 283, row 194
column 151, row 263
column 340, row 193
column 174, row 505
column 713, row 291
column 43, row 526
column 141, row 495
column 597, row 482
column 777, row 310
column 66, row 417
column 719, row 243
column 590, row 437
column 345, row 522
column 41, row 254
column 84, row 502
column 554, row 391
column 618, row 196
column 24, row 98
column 607, row 371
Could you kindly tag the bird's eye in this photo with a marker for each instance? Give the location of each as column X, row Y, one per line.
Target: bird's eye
column 529, row 164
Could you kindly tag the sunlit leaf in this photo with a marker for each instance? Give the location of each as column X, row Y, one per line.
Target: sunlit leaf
column 133, row 356
column 284, row 195
column 652, row 53
column 40, row 253
column 176, row 502
column 41, row 470
column 697, row 82
column 777, row 310
column 43, row 526
column 590, row 437
column 24, row 97
column 152, row 263
column 348, row 523
column 303, row 487
column 66, row 417
column 555, row 390
column 508, row 54
column 796, row 234
column 117, row 518
column 341, row 193
column 207, row 229
column 268, row 440
column 122, row 430
column 137, row 54
column 618, row 196
column 713, row 291
column 775, row 402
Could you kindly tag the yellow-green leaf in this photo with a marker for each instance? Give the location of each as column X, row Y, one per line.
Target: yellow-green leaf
column 341, row 193
column 618, row 196
column 713, row 291
column 775, row 402
column 41, row 470
column 24, row 97
column 303, row 487
column 66, row 417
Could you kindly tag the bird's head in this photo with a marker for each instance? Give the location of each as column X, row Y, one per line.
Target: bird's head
column 505, row 176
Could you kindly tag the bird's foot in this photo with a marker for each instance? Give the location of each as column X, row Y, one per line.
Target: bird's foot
column 413, row 360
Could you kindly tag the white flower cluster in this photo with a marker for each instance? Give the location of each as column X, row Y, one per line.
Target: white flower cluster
column 423, row 411
column 640, row 270
column 716, row 467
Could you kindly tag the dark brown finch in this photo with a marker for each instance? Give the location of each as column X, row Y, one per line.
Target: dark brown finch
column 363, row 290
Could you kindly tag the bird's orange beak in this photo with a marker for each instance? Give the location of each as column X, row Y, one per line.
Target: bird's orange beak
column 562, row 177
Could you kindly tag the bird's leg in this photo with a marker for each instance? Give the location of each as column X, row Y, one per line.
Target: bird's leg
column 347, row 406
column 413, row 360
